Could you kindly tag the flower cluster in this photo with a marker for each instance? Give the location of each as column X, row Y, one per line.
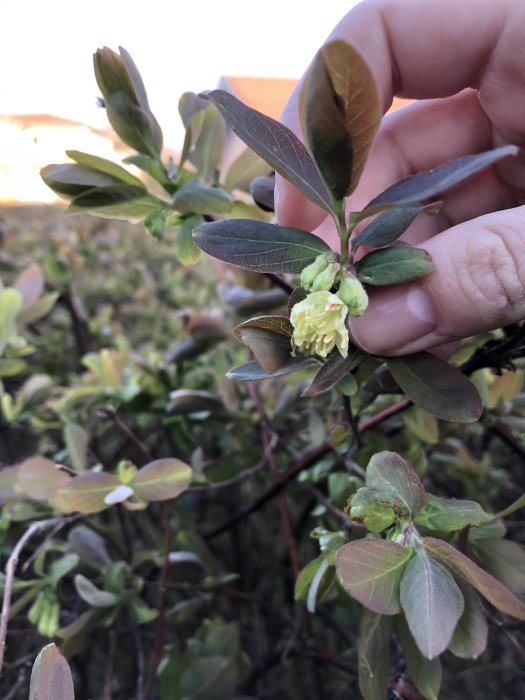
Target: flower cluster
column 319, row 320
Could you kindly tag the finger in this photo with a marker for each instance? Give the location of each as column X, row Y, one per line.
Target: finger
column 478, row 285
column 443, row 57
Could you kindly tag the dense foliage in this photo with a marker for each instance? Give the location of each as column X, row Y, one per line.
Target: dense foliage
column 346, row 526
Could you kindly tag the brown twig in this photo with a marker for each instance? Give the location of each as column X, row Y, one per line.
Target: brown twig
column 279, row 282
column 228, row 483
column 309, row 459
column 10, row 573
column 161, row 620
column 110, row 412
column 284, row 514
column 347, row 522
column 83, row 339
column 501, row 430
column 350, row 418
column 108, row 684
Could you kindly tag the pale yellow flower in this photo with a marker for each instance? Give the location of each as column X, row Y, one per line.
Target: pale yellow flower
column 319, row 324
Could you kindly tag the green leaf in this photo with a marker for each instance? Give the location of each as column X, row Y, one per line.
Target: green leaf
column 71, row 180
column 209, row 145
column 422, row 424
column 61, row 567
column 197, row 198
column 105, row 166
column 518, row 503
column 276, row 144
column 125, row 201
column 432, row 603
column 51, row 677
column 341, row 112
column 259, row 246
column 92, row 595
column 450, row 514
column 86, row 493
column 77, row 444
column 89, row 546
column 392, row 224
column 489, row 587
column 162, row 479
column 417, row 188
column 505, row 560
column 374, row 655
column 244, row 169
column 389, row 472
column 425, row 673
column 436, row 386
column 185, row 249
column 393, row 265
column 11, row 303
column 152, row 166
column 304, row 579
column 335, row 369
column 252, row 371
column 375, row 509
column 184, row 401
column 370, row 570
column 470, row 636
column 30, row 283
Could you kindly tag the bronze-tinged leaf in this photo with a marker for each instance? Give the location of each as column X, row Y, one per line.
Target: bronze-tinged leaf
column 86, row 493
column 436, row 386
column 51, row 677
column 432, row 603
column 505, row 560
column 38, row 477
column 425, row 673
column 30, row 284
column 392, row 224
column 276, row 324
column 341, row 113
column 470, row 636
column 162, row 479
column 252, row 371
column 297, row 295
column 374, row 655
column 273, row 351
column 423, row 186
column 371, row 569
column 275, row 144
column 489, row 587
column 333, row 371
column 388, row 472
column 184, row 401
column 259, row 246
column 394, row 265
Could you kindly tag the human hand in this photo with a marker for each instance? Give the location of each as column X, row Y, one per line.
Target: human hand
column 465, row 61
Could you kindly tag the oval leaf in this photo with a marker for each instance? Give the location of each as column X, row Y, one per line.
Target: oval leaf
column 104, row 166
column 162, row 480
column 417, row 188
column 273, row 351
column 432, row 603
column 275, row 143
column 370, row 570
column 470, row 636
column 184, row 401
column 374, row 655
column 332, row 372
column 393, row 265
column 259, row 246
column 262, row 189
column 390, row 225
column 505, row 560
column 93, row 595
column 244, row 169
column 51, row 677
column 197, row 198
column 276, row 324
column 489, row 587
column 451, row 514
column 389, row 472
column 425, row 673
column 86, row 493
column 38, row 477
column 436, row 386
column 341, row 114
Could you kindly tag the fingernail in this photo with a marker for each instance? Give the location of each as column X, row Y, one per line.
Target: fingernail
column 395, row 319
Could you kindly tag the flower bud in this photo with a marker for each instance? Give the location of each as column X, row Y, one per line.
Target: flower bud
column 325, row 279
column 319, row 324
column 311, row 271
column 352, row 292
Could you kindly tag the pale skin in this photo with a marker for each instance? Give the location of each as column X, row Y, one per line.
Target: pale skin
column 465, row 59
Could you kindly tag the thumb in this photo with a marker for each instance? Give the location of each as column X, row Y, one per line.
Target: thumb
column 478, row 284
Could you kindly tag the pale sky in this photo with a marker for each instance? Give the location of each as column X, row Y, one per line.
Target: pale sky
column 46, row 49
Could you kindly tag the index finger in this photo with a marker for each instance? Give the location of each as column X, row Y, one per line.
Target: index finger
column 421, row 49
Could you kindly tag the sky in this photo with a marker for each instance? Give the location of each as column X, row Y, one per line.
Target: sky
column 47, row 45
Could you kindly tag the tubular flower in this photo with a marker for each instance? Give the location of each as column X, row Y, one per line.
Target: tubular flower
column 352, row 292
column 319, row 324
